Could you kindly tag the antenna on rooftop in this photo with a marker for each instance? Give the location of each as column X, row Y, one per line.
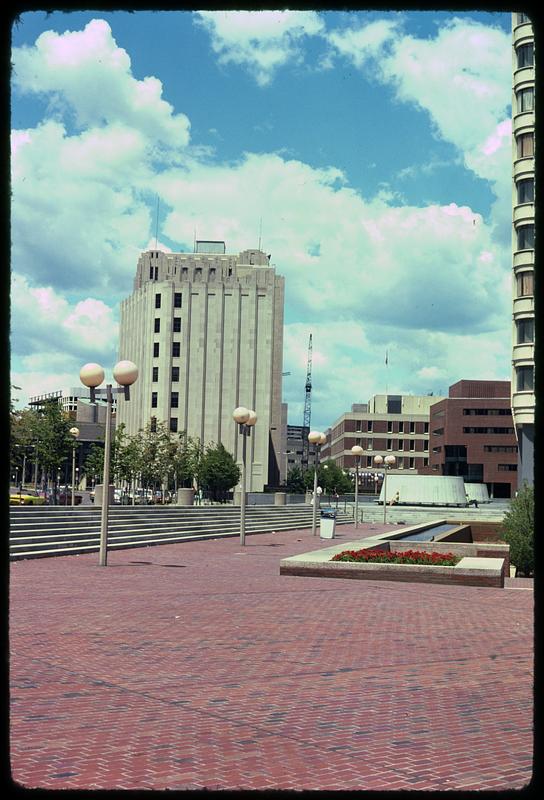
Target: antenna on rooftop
column 194, row 241
column 157, row 223
column 260, row 231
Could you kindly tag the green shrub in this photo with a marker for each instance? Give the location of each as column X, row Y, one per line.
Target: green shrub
column 518, row 530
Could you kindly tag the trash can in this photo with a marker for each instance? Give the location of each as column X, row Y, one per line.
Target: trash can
column 327, row 523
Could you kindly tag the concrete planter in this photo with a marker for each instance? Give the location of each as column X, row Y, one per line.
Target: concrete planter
column 186, row 497
column 99, row 494
column 279, row 498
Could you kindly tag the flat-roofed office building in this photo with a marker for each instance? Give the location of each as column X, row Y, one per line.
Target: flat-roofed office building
column 389, row 424
column 523, row 233
column 206, row 331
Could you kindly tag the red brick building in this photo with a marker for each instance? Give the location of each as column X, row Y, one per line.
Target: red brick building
column 471, row 434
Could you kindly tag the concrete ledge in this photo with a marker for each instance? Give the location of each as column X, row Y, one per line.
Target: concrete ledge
column 470, row 571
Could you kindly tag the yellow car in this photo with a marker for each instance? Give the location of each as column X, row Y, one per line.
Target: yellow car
column 28, row 497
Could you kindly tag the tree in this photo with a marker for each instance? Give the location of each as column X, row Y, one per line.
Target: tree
column 295, row 481
column 94, row 463
column 218, row 471
column 187, row 460
column 55, row 442
column 518, row 530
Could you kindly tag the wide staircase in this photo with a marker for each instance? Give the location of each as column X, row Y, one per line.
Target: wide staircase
column 39, row 531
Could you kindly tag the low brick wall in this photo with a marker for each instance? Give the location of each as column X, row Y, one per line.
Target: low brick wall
column 407, row 573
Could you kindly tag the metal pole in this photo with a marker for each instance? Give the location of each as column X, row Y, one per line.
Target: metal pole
column 314, row 511
column 36, row 468
column 356, row 491
column 73, row 475
column 384, row 494
column 243, row 497
column 106, row 482
column 24, row 470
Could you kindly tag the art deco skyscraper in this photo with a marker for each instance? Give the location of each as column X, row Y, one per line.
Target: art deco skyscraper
column 523, row 215
column 206, row 331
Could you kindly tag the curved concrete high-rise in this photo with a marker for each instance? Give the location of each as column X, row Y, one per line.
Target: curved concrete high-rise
column 523, row 247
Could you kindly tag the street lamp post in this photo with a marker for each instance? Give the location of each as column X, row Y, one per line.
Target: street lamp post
column 317, row 438
column 246, row 419
column 388, row 462
column 92, row 375
column 75, row 433
column 357, row 451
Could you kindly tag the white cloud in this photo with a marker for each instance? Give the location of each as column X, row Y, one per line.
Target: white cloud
column 261, row 41
column 48, row 332
column 59, row 65
column 465, row 68
column 342, row 256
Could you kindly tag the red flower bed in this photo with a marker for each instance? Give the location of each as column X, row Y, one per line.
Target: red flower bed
column 406, row 557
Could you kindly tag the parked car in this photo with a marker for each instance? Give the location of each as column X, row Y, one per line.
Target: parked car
column 25, row 497
column 65, row 498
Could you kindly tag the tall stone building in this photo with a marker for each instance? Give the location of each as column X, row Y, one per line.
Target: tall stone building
column 523, row 245
column 206, row 331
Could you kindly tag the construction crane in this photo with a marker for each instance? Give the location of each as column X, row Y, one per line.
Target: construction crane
column 307, row 409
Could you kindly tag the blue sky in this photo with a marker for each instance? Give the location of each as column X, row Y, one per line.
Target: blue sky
column 374, row 146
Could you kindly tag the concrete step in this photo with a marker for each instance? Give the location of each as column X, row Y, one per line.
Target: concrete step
column 56, row 532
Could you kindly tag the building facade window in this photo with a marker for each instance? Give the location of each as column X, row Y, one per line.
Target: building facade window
column 526, row 99
column 526, row 190
column 174, row 424
column 503, row 431
column 174, row 399
column 153, row 399
column 525, row 329
column 389, row 426
column 369, row 426
column 157, row 327
column 522, row 17
column 157, row 300
column 525, row 284
column 526, row 145
column 525, row 55
column 155, row 349
column 390, row 444
column 151, row 272
column 526, row 237
column 177, row 325
column 155, row 374
column 175, row 374
column 507, row 467
column 525, row 379
column 412, row 427
column 401, row 427
column 413, row 444
column 412, row 463
column 175, row 349
column 177, row 299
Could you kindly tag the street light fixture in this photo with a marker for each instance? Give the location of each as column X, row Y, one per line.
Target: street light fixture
column 246, row 419
column 388, row 462
column 357, row 451
column 92, row 375
column 317, row 438
column 75, row 433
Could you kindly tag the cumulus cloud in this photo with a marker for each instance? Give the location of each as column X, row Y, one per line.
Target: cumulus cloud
column 260, row 41
column 58, row 65
column 466, row 66
column 343, row 256
column 44, row 322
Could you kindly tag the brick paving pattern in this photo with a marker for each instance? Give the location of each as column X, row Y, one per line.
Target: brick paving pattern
column 198, row 666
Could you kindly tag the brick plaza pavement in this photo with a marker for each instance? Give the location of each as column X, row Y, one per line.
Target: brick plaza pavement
column 197, row 665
